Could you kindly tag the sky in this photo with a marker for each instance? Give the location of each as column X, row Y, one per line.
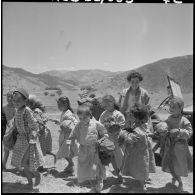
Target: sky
column 69, row 36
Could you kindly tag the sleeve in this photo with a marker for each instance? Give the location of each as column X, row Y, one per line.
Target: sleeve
column 74, row 133
column 101, row 118
column 31, row 124
column 147, row 99
column 186, row 129
column 120, row 100
column 128, row 138
column 121, row 97
column 101, row 130
column 131, row 138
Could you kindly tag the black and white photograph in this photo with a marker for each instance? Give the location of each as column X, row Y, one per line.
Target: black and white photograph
column 96, row 97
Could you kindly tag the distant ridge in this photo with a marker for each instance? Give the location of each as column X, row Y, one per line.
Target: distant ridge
column 180, row 68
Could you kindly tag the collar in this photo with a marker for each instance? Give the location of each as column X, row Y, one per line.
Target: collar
column 138, row 90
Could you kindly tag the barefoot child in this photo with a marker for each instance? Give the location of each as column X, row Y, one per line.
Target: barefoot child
column 67, row 123
column 87, row 132
column 176, row 157
column 27, row 153
column 136, row 158
column 9, row 113
column 109, row 105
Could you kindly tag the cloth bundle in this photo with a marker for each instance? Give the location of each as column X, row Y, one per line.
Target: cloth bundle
column 111, row 125
column 105, row 148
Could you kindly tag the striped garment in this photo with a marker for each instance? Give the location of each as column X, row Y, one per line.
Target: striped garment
column 27, row 129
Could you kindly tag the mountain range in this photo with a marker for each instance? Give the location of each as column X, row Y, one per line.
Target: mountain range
column 155, row 77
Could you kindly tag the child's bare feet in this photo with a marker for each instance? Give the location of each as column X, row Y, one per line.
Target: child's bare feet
column 173, row 181
column 143, row 186
column 99, row 185
column 29, row 185
column 180, row 187
column 120, row 179
column 69, row 167
column 37, row 179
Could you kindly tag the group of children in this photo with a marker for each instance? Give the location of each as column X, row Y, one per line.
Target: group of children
column 132, row 154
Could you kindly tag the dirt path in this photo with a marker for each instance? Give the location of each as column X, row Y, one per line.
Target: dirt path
column 56, row 182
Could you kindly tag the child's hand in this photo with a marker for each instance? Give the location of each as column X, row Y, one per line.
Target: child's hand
column 32, row 141
column 174, row 132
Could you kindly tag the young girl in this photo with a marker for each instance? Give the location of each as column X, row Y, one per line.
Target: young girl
column 109, row 104
column 136, row 158
column 87, row 132
column 9, row 112
column 67, row 123
column 27, row 153
column 44, row 135
column 176, row 157
column 94, row 104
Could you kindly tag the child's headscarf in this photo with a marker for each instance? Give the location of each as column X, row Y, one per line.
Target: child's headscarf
column 65, row 100
column 179, row 101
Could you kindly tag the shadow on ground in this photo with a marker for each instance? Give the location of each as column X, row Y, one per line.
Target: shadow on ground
column 58, row 174
column 168, row 188
column 17, row 188
column 132, row 186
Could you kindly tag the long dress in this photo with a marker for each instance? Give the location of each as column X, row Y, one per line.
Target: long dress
column 137, row 158
column 89, row 164
column 27, row 130
column 120, row 119
column 176, row 156
column 68, row 122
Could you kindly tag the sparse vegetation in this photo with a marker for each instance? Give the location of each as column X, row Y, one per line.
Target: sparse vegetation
column 59, row 92
column 46, row 93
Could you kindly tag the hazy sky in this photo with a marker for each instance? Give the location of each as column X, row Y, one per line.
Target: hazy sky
column 45, row 36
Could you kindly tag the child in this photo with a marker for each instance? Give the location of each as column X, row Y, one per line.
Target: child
column 87, row 132
column 44, row 134
column 67, row 123
column 109, row 105
column 9, row 112
column 27, row 153
column 176, row 157
column 94, row 104
column 137, row 155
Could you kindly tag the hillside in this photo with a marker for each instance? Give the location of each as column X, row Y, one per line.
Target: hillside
column 82, row 77
column 17, row 77
column 155, row 76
